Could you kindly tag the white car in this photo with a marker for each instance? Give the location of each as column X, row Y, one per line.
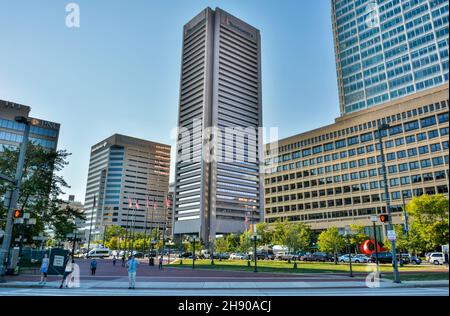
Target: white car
column 238, row 256
column 436, row 258
column 355, row 258
column 98, row 253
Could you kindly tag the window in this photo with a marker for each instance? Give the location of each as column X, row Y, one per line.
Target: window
column 401, row 154
column 372, row 172
column 328, row 146
column 392, row 169
column 395, row 195
column 390, row 156
column 435, row 147
column 427, row 176
column 410, row 126
column 433, row 134
column 399, row 141
column 353, row 140
column 394, row 182
column 412, row 152
column 423, row 150
column 444, row 131
column 439, row 175
column 437, row 161
column 410, row 139
column 371, row 160
column 425, row 163
column 421, row 136
column 443, row 118
column 416, row 178
column 428, row 121
column 403, row 167
column 370, row 148
column 394, row 130
column 366, row 137
column 405, row 180
column 352, row 152
column 413, row 165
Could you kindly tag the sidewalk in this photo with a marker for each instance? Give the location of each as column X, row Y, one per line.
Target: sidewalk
column 122, row 283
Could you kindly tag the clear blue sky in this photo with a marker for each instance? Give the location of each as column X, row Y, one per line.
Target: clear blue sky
column 119, row 72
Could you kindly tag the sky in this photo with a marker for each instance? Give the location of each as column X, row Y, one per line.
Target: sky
column 119, row 71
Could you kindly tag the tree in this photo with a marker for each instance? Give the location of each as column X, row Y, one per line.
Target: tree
column 266, row 233
column 358, row 236
column 40, row 189
column 232, row 242
column 245, row 243
column 220, row 245
column 330, row 241
column 280, row 232
column 298, row 236
column 429, row 219
column 114, row 231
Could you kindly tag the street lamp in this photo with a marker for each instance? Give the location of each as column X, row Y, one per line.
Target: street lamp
column 374, row 220
column 389, row 227
column 348, row 233
column 169, row 244
column 151, row 260
column 255, row 237
column 193, row 240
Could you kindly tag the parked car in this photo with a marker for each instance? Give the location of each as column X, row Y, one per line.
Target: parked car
column 285, row 256
column 185, row 255
column 238, row 256
column 317, row 256
column 436, row 258
column 383, row 257
column 358, row 258
column 98, row 253
column 408, row 258
column 222, row 255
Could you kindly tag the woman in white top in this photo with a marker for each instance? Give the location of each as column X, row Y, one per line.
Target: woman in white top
column 67, row 272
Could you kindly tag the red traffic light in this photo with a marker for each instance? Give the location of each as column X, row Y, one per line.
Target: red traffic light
column 384, row 218
column 18, row 213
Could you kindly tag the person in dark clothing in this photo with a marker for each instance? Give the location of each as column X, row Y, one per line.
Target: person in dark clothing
column 160, row 266
column 114, row 261
column 93, row 266
column 123, row 261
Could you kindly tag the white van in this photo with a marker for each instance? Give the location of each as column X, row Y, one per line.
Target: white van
column 98, row 253
column 436, row 258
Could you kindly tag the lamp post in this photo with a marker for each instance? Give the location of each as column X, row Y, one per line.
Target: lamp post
column 405, row 215
column 12, row 195
column 193, row 240
column 389, row 227
column 151, row 260
column 169, row 244
column 255, row 238
column 348, row 234
column 374, row 219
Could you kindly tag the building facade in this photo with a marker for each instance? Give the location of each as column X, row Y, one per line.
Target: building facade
column 43, row 133
column 332, row 176
column 220, row 99
column 124, row 169
column 388, row 49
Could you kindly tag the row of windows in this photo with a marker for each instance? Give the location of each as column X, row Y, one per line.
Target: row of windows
column 358, row 128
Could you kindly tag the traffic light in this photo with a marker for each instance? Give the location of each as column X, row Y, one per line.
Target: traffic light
column 384, row 218
column 18, row 213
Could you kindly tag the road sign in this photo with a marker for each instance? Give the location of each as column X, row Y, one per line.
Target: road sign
column 58, row 261
column 391, row 235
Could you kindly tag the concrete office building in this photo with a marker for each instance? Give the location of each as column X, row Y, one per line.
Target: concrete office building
column 123, row 168
column 388, row 50
column 221, row 88
column 331, row 176
column 43, row 133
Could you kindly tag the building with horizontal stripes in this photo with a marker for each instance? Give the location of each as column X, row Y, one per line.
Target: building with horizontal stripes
column 123, row 168
column 332, row 176
column 217, row 176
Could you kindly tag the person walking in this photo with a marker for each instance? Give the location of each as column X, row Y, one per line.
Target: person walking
column 123, row 261
column 44, row 269
column 114, row 261
column 93, row 266
column 132, row 267
column 160, row 266
column 67, row 272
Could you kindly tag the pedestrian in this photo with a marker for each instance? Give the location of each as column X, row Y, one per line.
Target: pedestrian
column 114, row 261
column 123, row 260
column 93, row 266
column 67, row 272
column 44, row 269
column 160, row 266
column 132, row 267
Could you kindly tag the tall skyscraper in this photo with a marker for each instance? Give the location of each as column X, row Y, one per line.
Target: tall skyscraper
column 43, row 133
column 217, row 181
column 124, row 169
column 388, row 49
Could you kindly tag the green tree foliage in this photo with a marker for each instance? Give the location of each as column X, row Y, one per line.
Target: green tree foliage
column 429, row 220
column 330, row 241
column 266, row 232
column 232, row 242
column 114, row 231
column 298, row 236
column 358, row 235
column 280, row 229
column 41, row 187
column 245, row 243
column 220, row 245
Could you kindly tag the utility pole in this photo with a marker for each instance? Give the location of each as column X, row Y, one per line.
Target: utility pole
column 94, row 206
column 388, row 203
column 405, row 215
column 12, row 196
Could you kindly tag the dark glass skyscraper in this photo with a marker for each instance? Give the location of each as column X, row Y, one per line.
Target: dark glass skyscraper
column 217, row 180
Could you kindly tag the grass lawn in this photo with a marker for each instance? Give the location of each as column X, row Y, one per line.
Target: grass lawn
column 274, row 266
column 420, row 276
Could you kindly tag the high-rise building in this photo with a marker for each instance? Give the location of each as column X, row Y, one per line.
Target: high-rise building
column 124, row 169
column 216, row 190
column 43, row 133
column 332, row 176
column 388, row 49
